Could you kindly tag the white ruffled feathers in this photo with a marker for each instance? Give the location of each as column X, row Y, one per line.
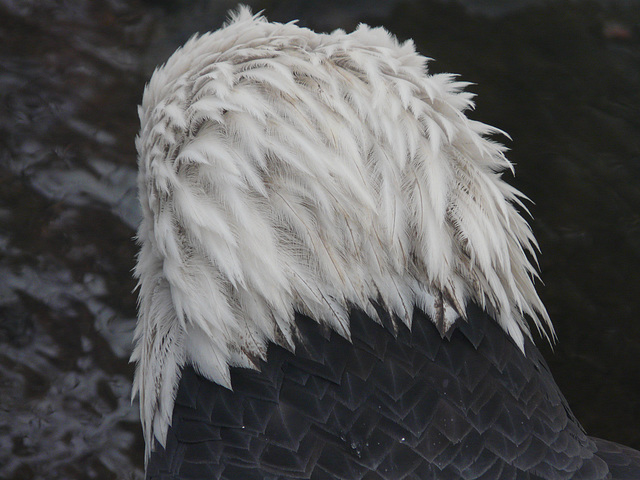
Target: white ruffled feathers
column 283, row 170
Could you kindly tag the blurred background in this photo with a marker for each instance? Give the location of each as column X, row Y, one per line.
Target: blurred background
column 563, row 78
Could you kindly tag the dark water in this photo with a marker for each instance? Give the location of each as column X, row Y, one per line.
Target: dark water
column 564, row 81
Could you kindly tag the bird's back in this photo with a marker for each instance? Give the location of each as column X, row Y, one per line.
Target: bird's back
column 409, row 405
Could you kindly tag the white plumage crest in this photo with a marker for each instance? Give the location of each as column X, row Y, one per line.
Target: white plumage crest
column 283, row 170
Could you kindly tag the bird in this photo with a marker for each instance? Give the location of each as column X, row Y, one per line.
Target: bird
column 335, row 281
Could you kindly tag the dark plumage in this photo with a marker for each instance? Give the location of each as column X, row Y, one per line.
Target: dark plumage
column 412, row 405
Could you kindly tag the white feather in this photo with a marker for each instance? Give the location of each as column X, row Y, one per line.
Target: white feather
column 283, row 170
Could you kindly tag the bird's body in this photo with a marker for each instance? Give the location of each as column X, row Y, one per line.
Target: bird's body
column 324, row 230
column 409, row 406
